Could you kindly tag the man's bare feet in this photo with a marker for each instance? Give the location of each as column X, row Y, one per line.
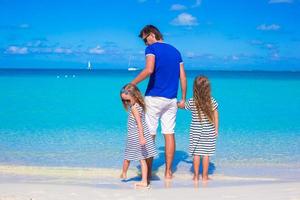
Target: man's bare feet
column 123, row 175
column 141, row 184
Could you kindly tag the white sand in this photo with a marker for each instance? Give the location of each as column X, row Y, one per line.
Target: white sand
column 50, row 183
column 280, row 191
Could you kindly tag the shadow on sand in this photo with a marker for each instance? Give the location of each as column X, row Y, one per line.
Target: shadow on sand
column 180, row 156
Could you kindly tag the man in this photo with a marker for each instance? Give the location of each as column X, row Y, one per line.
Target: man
column 165, row 67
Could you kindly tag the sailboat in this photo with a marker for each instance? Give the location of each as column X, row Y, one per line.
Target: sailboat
column 130, row 68
column 89, row 66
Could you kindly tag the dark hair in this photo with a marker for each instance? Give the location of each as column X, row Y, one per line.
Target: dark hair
column 151, row 29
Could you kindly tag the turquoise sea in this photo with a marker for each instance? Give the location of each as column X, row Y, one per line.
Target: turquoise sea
column 74, row 118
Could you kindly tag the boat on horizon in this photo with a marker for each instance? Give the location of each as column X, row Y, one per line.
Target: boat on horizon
column 89, row 66
column 132, row 68
column 129, row 67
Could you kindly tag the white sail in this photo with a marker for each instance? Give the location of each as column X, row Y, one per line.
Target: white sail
column 129, row 67
column 89, row 66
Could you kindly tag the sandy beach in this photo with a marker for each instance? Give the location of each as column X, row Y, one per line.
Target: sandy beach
column 29, row 191
column 23, row 182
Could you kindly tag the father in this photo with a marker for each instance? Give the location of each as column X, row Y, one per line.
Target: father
column 165, row 67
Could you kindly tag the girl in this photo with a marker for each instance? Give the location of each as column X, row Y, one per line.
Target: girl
column 140, row 144
column 204, row 125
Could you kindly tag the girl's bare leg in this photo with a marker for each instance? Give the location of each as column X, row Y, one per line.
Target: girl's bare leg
column 196, row 163
column 205, row 164
column 143, row 182
column 126, row 164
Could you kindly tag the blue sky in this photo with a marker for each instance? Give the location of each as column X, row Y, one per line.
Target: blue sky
column 211, row 34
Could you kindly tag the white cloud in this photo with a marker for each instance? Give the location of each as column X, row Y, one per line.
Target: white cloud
column 280, row 1
column 193, row 55
column 235, row 57
column 272, row 27
column 62, row 50
column 185, row 19
column 96, row 50
column 41, row 50
column 35, row 43
column 275, row 56
column 256, row 42
column 269, row 46
column 190, row 54
column 197, row 4
column 17, row 50
column 178, row 7
column 24, row 26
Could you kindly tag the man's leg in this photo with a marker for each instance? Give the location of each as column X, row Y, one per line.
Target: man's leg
column 168, row 122
column 169, row 153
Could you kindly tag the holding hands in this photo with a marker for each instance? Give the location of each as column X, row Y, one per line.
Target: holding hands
column 181, row 104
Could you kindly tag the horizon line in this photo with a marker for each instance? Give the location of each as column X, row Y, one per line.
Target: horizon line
column 125, row 69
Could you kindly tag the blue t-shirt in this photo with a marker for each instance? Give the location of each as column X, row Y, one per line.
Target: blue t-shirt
column 164, row 80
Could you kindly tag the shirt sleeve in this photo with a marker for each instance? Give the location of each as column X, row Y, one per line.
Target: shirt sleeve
column 180, row 59
column 149, row 51
column 187, row 105
column 214, row 103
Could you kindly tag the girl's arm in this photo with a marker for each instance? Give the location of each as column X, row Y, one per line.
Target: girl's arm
column 186, row 105
column 216, row 121
column 138, row 120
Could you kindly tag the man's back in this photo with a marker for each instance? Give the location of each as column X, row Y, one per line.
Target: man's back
column 165, row 78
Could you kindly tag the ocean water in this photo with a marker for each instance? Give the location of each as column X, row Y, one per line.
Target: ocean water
column 74, row 118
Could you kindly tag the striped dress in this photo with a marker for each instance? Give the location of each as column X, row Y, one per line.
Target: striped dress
column 134, row 150
column 202, row 134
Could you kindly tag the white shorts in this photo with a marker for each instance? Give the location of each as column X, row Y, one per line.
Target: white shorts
column 163, row 109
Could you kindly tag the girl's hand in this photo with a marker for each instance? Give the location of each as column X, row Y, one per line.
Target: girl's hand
column 181, row 104
column 142, row 141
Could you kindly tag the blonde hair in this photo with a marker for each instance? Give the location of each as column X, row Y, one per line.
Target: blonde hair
column 202, row 97
column 133, row 91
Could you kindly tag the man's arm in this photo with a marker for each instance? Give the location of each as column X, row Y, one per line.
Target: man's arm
column 147, row 71
column 183, row 85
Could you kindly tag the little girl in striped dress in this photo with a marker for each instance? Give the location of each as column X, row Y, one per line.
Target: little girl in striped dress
column 204, row 125
column 140, row 144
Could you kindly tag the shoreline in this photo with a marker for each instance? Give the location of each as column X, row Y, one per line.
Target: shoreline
column 28, row 191
column 31, row 182
column 110, row 176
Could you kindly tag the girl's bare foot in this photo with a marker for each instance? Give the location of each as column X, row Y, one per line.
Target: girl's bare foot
column 141, row 184
column 196, row 178
column 205, row 178
column 123, row 175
